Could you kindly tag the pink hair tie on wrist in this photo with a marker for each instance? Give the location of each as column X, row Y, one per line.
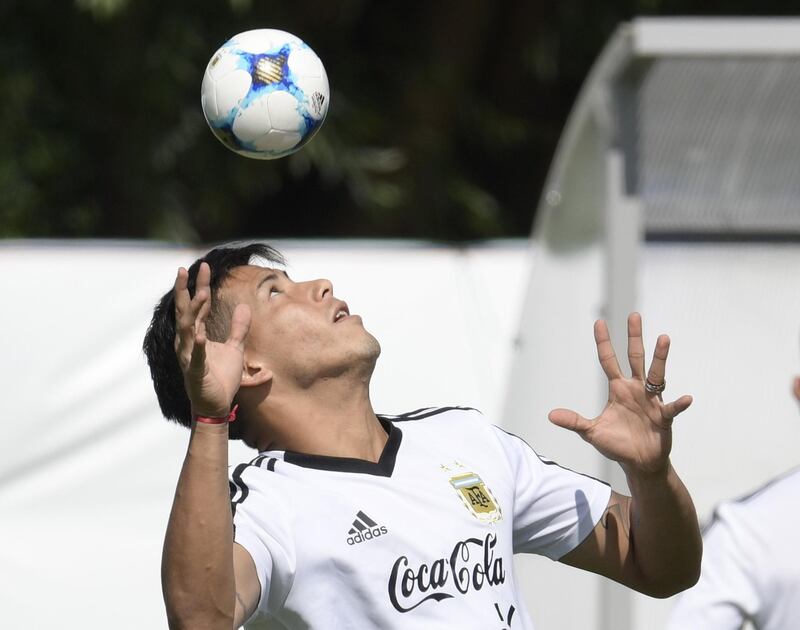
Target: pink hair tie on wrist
column 229, row 418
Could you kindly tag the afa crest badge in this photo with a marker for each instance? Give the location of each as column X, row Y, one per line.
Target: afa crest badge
column 477, row 497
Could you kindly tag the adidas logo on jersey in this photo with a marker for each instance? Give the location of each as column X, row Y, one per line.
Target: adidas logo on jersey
column 363, row 529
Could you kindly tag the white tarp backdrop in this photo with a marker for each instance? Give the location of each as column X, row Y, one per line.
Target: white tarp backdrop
column 88, row 467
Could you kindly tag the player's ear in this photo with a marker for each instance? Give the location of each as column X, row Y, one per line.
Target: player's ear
column 255, row 373
column 796, row 387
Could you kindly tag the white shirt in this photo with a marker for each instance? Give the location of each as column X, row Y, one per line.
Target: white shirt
column 421, row 539
column 751, row 564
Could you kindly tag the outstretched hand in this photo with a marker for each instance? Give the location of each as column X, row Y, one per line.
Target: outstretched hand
column 635, row 428
column 212, row 371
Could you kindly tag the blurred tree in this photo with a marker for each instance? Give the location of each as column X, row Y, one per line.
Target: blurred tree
column 443, row 120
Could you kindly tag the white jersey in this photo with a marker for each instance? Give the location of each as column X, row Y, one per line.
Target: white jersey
column 421, row 539
column 751, row 564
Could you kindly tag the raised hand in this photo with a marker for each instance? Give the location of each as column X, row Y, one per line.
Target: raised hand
column 212, row 371
column 635, row 428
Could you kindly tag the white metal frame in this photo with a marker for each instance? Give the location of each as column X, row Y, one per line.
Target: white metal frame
column 591, row 127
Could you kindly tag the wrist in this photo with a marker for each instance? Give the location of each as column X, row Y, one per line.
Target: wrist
column 639, row 477
column 216, row 418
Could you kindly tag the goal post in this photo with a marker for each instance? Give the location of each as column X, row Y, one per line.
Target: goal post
column 685, row 131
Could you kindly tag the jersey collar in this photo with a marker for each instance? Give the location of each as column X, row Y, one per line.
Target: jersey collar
column 383, row 467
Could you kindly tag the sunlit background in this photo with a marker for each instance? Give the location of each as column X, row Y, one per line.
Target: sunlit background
column 464, row 195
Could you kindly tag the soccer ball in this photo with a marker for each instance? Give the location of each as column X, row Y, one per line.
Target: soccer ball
column 265, row 94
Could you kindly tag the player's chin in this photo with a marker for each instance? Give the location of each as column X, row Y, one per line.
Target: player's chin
column 360, row 330
column 371, row 347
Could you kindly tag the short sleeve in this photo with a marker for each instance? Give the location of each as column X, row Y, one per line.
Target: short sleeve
column 260, row 525
column 555, row 508
column 726, row 594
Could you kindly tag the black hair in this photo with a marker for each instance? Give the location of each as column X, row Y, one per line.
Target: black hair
column 159, row 340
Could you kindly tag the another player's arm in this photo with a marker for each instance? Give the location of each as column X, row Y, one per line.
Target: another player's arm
column 208, row 581
column 650, row 541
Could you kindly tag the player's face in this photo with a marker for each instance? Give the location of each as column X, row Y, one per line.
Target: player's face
column 299, row 329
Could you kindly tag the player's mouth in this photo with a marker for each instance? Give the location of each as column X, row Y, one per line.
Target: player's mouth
column 341, row 312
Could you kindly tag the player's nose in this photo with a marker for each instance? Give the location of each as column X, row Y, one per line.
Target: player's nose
column 321, row 289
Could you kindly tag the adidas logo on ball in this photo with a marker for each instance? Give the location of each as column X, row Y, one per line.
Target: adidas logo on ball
column 364, row 529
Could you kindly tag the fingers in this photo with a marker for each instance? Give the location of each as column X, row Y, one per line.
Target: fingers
column 605, row 351
column 197, row 362
column 659, row 365
column 184, row 318
column 240, row 324
column 181, row 290
column 568, row 419
column 190, row 313
column 203, row 303
column 670, row 410
column 635, row 346
column 203, row 280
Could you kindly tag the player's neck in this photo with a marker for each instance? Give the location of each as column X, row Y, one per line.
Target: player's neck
column 333, row 418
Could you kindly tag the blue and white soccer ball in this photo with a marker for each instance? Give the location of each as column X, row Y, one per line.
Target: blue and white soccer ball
column 265, row 93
